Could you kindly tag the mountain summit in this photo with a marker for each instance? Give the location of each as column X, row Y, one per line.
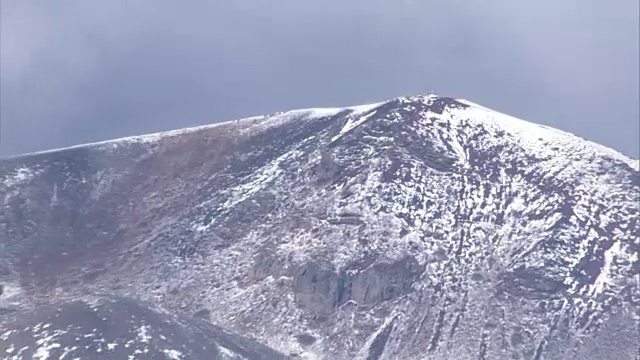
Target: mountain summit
column 423, row 227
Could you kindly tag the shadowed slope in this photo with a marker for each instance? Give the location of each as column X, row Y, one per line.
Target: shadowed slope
column 118, row 328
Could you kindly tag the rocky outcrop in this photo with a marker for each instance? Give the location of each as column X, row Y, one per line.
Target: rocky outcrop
column 382, row 281
column 320, row 289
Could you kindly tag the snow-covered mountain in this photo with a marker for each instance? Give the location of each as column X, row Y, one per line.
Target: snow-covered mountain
column 418, row 228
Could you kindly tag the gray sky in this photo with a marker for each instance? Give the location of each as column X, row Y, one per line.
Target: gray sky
column 79, row 71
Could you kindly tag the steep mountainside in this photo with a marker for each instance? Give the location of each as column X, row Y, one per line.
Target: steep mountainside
column 419, row 228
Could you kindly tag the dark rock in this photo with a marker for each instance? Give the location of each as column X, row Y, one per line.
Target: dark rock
column 267, row 263
column 383, row 281
column 305, row 339
column 203, row 314
column 317, row 288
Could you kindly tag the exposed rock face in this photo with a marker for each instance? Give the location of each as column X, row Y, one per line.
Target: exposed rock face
column 419, row 228
column 319, row 289
column 381, row 282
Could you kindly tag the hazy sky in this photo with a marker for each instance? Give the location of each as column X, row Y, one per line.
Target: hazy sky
column 82, row 71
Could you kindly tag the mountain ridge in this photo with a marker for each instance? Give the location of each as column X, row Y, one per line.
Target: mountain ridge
column 155, row 136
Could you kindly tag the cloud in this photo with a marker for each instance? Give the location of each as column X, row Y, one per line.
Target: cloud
column 75, row 72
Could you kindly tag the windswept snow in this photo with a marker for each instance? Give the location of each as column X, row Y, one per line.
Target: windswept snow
column 534, row 136
column 259, row 121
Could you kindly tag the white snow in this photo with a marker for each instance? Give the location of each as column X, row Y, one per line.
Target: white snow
column 67, row 351
column 155, row 137
column 146, row 138
column 604, row 278
column 45, row 341
column 354, row 120
column 260, row 121
column 280, row 119
column 365, row 350
column 18, row 356
column 42, row 353
column 433, row 199
column 143, row 334
column 19, row 176
column 351, row 124
column 173, row 354
column 529, row 133
column 312, row 113
column 251, row 185
column 6, row 335
column 228, row 353
column 361, row 109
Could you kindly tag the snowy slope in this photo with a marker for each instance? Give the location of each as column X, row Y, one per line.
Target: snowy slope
column 421, row 227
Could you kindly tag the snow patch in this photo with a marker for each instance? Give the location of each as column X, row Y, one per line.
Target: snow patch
column 361, row 109
column 143, row 334
column 19, row 176
column 228, row 354
column 252, row 185
column 355, row 121
column 605, row 276
column 173, row 354
column 351, row 124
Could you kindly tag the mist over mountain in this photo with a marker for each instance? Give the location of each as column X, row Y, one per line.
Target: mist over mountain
column 422, row 227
